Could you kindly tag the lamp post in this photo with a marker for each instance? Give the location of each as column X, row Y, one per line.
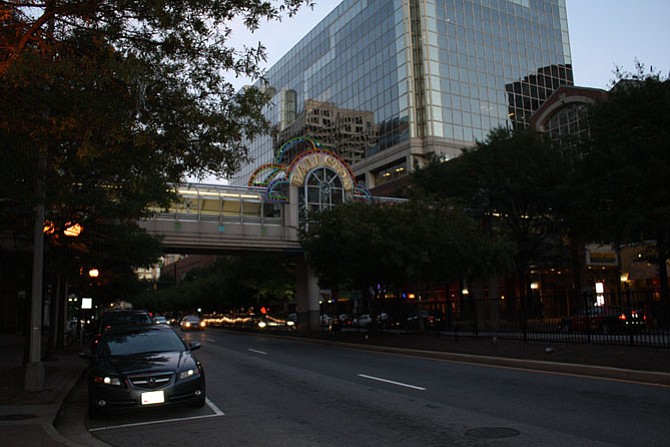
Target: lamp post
column 34, row 373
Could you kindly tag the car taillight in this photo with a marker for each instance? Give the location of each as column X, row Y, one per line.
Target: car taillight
column 622, row 317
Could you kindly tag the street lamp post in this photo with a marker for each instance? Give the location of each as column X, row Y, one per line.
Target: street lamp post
column 34, row 374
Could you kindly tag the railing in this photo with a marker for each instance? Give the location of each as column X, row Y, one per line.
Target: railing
column 633, row 318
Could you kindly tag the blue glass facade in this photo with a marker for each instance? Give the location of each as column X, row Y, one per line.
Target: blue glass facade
column 387, row 84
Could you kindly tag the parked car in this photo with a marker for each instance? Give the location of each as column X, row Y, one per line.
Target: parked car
column 364, row 320
column 143, row 366
column 192, row 323
column 385, row 320
column 114, row 318
column 604, row 319
column 430, row 320
column 326, row 320
column 345, row 320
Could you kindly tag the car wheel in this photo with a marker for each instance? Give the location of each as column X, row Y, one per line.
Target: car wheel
column 200, row 402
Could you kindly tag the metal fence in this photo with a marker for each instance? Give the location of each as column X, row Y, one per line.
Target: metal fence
column 635, row 318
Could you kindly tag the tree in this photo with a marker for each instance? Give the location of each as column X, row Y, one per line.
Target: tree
column 119, row 100
column 228, row 284
column 345, row 248
column 413, row 245
column 629, row 162
column 104, row 104
column 136, row 90
column 508, row 181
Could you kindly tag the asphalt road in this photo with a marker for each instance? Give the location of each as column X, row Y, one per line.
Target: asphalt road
column 265, row 391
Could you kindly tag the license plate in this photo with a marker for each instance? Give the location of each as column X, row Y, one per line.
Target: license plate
column 153, row 397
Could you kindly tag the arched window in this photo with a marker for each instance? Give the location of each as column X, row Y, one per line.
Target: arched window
column 322, row 190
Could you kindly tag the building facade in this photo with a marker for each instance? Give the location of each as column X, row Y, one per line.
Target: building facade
column 389, row 84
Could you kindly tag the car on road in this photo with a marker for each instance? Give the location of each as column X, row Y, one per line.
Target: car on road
column 143, row 366
column 605, row 320
column 192, row 323
column 160, row 319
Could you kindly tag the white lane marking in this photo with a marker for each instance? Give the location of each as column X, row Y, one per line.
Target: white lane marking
column 215, row 409
column 212, row 340
column 379, row 379
column 257, row 351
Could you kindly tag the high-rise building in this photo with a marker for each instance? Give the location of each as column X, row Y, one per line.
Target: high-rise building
column 389, row 84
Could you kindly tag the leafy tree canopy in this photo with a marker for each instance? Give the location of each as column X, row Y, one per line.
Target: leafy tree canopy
column 629, row 156
column 108, row 103
column 509, row 181
column 629, row 164
column 228, row 284
column 413, row 244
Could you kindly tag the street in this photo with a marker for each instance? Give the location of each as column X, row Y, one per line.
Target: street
column 266, row 391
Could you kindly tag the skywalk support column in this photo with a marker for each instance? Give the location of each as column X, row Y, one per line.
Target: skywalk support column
column 307, row 297
column 307, row 287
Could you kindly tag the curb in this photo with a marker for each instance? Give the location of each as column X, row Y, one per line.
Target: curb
column 601, row 372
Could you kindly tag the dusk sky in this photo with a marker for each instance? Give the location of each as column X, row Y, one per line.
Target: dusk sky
column 604, row 34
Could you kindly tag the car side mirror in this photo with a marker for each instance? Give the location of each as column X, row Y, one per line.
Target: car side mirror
column 193, row 345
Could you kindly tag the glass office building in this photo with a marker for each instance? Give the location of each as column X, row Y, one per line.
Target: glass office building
column 389, row 84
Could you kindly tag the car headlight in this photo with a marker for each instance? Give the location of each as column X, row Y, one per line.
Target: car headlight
column 188, row 373
column 107, row 380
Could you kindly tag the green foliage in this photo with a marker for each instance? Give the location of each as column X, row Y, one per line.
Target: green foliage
column 412, row 244
column 629, row 165
column 230, row 283
column 123, row 98
column 629, row 158
column 509, row 181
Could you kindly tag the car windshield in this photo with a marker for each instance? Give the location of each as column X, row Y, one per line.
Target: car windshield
column 139, row 342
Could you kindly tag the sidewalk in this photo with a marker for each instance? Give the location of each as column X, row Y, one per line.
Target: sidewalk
column 27, row 417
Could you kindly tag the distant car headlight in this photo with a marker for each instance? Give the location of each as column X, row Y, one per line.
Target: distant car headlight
column 188, row 373
column 107, row 380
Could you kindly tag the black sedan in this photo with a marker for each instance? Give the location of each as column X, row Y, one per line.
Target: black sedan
column 143, row 367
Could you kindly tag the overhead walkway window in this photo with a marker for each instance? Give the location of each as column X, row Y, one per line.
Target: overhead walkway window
column 222, row 204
